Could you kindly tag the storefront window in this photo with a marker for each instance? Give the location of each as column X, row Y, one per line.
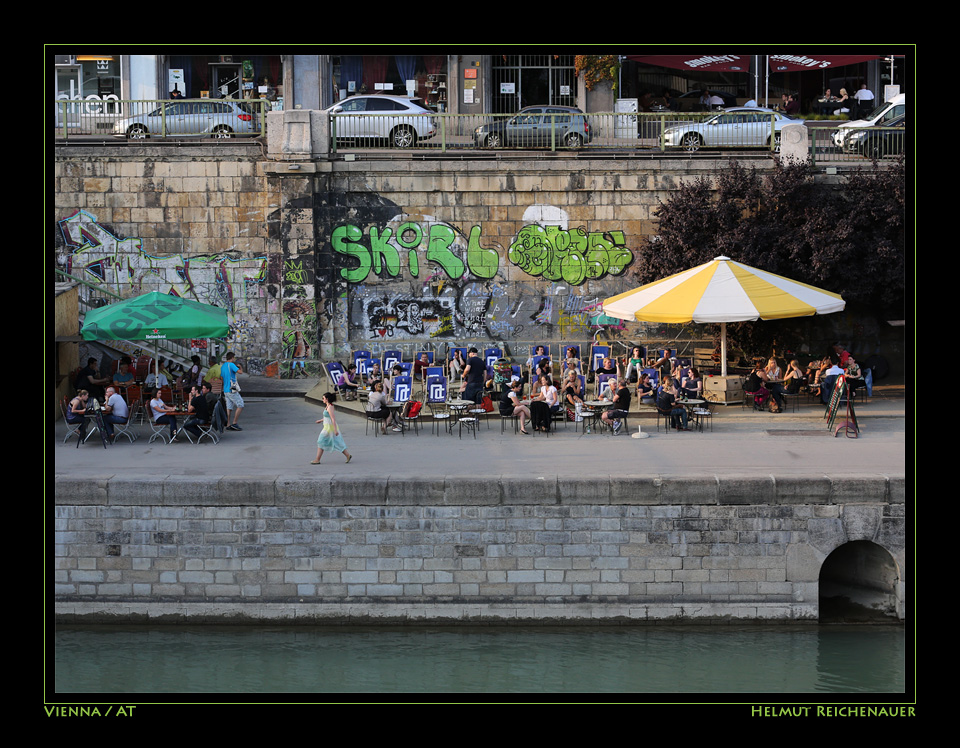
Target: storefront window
column 400, row 75
column 527, row 80
column 91, row 79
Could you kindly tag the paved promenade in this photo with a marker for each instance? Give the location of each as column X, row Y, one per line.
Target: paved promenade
column 279, row 440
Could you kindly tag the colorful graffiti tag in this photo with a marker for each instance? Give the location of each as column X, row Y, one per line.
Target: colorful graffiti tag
column 94, row 253
column 555, row 254
column 573, row 257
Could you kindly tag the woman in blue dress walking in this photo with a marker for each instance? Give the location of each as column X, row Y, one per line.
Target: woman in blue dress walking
column 330, row 437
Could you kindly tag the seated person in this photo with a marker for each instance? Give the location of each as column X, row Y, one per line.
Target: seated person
column 608, row 388
column 89, row 379
column 544, row 404
column 377, row 406
column 607, row 368
column 419, row 365
column 114, row 411
column 692, row 384
column 572, row 389
column 350, row 383
column 123, row 376
column 620, row 410
column 156, row 380
column 510, row 404
column 795, row 378
column 374, row 374
column 77, row 410
column 645, row 389
column 634, row 364
column 199, row 409
column 854, row 375
column 667, row 405
column 163, row 413
column 457, row 364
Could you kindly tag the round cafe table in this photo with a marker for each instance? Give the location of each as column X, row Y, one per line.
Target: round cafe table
column 592, row 416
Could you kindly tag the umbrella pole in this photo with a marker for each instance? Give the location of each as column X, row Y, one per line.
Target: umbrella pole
column 723, row 349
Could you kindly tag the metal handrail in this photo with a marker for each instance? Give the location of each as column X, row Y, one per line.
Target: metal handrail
column 136, row 119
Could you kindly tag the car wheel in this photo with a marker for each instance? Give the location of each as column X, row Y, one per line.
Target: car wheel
column 691, row 142
column 494, row 140
column 403, row 137
column 573, row 140
column 776, row 143
column 137, row 132
column 222, row 131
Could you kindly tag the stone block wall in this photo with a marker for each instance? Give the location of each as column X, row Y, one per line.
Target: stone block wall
column 314, row 259
column 695, row 549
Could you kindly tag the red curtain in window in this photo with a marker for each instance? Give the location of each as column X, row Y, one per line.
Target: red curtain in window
column 374, row 71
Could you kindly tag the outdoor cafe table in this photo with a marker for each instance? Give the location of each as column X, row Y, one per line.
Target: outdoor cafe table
column 593, row 415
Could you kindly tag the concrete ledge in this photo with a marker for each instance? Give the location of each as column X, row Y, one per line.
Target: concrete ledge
column 375, row 613
column 183, row 490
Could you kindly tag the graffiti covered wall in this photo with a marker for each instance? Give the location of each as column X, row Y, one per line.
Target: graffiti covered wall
column 416, row 278
column 371, row 254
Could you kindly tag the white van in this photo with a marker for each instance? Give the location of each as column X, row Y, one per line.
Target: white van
column 879, row 116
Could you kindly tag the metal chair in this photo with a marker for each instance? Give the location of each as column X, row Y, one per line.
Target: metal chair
column 123, row 429
column 470, row 423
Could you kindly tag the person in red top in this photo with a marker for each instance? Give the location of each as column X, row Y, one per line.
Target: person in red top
column 844, row 355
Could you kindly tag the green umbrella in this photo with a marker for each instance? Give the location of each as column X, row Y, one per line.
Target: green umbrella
column 155, row 316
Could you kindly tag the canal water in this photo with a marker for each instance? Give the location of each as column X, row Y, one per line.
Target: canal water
column 327, row 660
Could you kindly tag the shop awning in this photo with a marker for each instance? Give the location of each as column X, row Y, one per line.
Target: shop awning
column 741, row 63
column 712, row 63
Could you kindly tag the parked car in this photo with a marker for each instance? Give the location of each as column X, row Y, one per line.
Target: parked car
column 879, row 140
column 216, row 118
column 737, row 127
column 536, row 127
column 400, row 120
column 879, row 116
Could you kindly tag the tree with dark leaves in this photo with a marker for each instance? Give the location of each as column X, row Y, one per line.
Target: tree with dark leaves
column 848, row 238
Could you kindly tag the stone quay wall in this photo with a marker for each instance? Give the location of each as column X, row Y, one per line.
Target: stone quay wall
column 316, row 258
column 379, row 550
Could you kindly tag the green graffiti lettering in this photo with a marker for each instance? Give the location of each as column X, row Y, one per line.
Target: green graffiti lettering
column 482, row 262
column 571, row 256
column 619, row 256
column 402, row 233
column 344, row 240
column 438, row 250
column 384, row 254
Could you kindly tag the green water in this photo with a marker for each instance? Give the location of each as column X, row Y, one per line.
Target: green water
column 641, row 660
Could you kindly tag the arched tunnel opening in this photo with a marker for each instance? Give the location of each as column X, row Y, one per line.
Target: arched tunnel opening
column 859, row 583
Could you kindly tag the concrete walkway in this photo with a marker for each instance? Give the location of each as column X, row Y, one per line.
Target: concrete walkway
column 279, row 440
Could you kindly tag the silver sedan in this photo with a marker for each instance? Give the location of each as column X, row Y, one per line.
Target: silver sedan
column 738, row 127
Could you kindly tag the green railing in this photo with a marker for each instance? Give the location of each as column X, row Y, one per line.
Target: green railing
column 855, row 144
column 174, row 119
column 666, row 131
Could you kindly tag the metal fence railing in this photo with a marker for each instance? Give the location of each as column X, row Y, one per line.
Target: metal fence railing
column 855, row 144
column 666, row 131
column 178, row 118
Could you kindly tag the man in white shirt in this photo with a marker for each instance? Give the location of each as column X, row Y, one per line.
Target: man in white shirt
column 155, row 380
column 864, row 95
column 114, row 411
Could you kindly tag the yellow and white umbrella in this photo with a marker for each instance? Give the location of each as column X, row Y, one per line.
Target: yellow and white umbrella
column 722, row 291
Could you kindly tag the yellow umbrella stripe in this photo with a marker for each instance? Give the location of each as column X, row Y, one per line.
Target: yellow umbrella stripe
column 771, row 302
column 679, row 304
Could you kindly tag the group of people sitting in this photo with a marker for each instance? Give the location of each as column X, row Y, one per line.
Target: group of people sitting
column 767, row 384
column 101, row 395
